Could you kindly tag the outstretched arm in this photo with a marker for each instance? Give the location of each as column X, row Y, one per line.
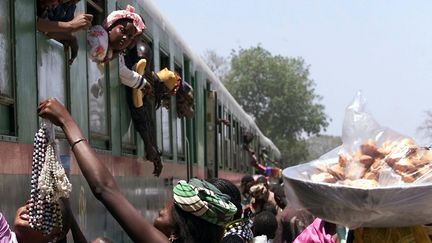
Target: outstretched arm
column 82, row 21
column 98, row 177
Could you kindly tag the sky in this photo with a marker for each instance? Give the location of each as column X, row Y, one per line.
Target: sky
column 383, row 48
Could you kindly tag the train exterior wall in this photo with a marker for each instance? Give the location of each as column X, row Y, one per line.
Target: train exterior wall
column 33, row 80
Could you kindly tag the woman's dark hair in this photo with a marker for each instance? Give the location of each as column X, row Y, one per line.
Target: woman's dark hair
column 262, row 180
column 232, row 239
column 123, row 21
column 247, row 179
column 228, row 188
column 191, row 229
column 265, row 223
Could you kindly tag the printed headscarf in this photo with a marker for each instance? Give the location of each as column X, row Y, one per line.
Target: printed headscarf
column 204, row 200
column 242, row 228
column 128, row 13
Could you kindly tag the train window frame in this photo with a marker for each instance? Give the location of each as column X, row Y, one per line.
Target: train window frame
column 234, row 144
column 230, row 141
column 46, row 50
column 99, row 140
column 180, row 122
column 98, row 10
column 229, row 127
column 189, row 123
column 127, row 147
column 164, row 62
column 225, row 140
column 181, row 155
column 244, row 160
column 8, row 120
column 220, row 135
column 192, row 143
column 44, row 41
column 132, row 148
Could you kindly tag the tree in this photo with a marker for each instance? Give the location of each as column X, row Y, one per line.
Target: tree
column 218, row 64
column 426, row 127
column 279, row 94
column 319, row 145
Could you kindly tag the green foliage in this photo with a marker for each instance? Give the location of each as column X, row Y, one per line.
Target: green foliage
column 218, row 64
column 279, row 94
column 426, row 128
column 319, row 145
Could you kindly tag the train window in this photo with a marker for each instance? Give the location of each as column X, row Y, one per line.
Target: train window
column 97, row 9
column 219, row 136
column 180, row 123
column 7, row 93
column 180, row 139
column 240, row 147
column 164, row 59
column 128, row 134
column 165, row 114
column 98, row 104
column 230, row 142
column 178, row 69
column 226, row 142
column 51, row 65
column 189, row 132
column 234, row 145
column 166, row 132
column 219, row 124
column 98, row 88
column 150, row 43
column 244, row 157
column 229, row 127
column 193, row 139
column 187, row 75
column 6, row 89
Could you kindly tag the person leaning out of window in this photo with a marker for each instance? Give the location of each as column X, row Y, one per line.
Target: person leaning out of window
column 56, row 18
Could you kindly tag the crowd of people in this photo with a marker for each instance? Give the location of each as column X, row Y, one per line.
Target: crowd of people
column 199, row 211
column 213, row 210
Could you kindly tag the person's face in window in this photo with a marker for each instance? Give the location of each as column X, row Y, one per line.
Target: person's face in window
column 121, row 35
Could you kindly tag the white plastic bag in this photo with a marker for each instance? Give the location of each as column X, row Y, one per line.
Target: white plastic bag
column 387, row 200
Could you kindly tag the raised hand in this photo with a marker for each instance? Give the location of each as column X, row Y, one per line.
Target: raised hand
column 54, row 111
column 82, row 21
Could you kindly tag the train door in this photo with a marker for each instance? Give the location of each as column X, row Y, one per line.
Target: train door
column 211, row 108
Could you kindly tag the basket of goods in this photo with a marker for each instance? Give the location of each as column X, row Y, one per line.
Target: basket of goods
column 376, row 178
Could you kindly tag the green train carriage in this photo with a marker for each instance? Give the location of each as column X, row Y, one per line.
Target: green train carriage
column 32, row 67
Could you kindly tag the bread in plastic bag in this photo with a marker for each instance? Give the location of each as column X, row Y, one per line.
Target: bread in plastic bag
column 377, row 178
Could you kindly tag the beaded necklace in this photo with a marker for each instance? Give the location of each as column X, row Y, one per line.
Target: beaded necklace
column 48, row 184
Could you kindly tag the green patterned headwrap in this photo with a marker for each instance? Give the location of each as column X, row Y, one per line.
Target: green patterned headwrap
column 204, row 200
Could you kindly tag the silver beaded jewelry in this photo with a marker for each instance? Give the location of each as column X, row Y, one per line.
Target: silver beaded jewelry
column 48, row 184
